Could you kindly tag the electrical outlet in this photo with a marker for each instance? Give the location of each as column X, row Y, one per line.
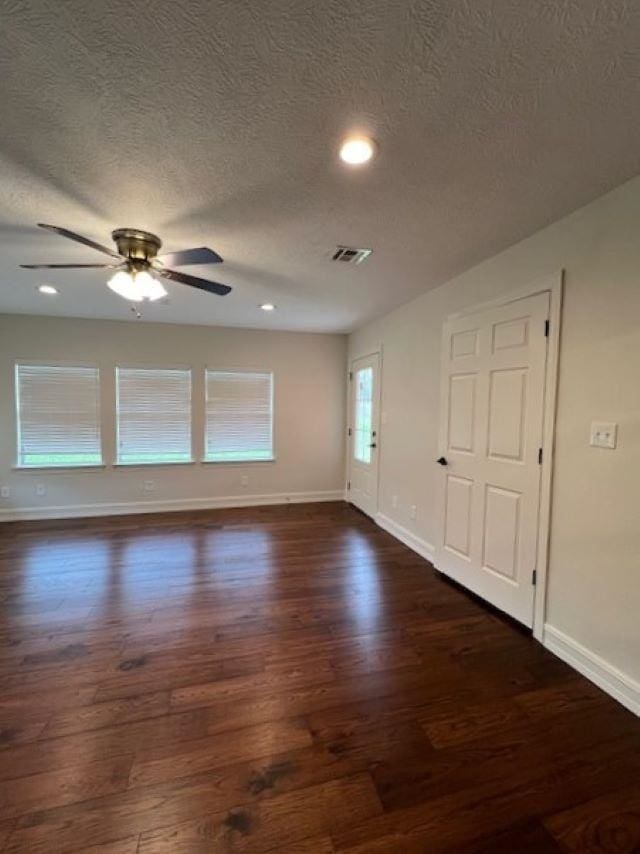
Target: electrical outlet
column 5, row 492
column 413, row 512
column 603, row 434
column 149, row 485
column 244, row 480
column 41, row 489
column 394, row 501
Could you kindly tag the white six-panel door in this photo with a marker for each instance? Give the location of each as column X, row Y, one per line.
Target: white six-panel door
column 493, row 379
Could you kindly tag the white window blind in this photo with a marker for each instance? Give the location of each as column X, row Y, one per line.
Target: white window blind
column 58, row 421
column 363, row 412
column 153, row 415
column 239, row 416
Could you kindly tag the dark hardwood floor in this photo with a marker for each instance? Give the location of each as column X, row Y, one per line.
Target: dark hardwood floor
column 286, row 679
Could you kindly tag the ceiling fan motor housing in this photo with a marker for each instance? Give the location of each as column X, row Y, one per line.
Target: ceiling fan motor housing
column 136, row 244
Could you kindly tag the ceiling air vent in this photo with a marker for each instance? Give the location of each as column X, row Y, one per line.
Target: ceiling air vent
column 350, row 255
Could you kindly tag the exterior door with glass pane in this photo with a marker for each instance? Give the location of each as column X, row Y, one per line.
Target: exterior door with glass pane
column 364, row 433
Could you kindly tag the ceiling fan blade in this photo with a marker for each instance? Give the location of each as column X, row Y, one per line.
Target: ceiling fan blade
column 201, row 255
column 67, row 266
column 64, row 232
column 194, row 282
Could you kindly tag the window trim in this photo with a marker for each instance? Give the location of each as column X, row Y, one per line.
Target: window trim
column 88, row 467
column 55, row 363
column 151, row 366
column 264, row 462
column 244, row 370
column 133, row 465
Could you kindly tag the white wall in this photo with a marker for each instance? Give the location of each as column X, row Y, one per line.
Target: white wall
column 309, row 376
column 594, row 576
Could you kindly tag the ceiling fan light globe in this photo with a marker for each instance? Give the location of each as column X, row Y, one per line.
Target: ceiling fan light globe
column 124, row 284
column 149, row 287
column 137, row 286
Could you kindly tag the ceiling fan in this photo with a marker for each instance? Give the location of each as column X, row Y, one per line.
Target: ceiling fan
column 138, row 265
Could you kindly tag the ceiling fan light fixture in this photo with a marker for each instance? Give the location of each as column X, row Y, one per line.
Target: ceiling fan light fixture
column 137, row 286
column 123, row 284
column 149, row 286
column 137, row 257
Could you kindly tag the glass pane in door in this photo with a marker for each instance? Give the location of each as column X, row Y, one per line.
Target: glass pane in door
column 363, row 415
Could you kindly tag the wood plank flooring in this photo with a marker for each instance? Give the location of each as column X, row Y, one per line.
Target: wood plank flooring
column 285, row 679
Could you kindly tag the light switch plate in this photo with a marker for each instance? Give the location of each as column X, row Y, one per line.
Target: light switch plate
column 604, row 434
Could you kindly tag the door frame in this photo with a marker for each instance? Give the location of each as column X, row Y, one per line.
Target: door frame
column 349, row 428
column 552, row 284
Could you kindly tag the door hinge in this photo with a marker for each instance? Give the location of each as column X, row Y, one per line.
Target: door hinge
column 534, row 577
column 547, row 324
column 348, row 485
column 350, row 376
column 539, row 456
column 349, row 431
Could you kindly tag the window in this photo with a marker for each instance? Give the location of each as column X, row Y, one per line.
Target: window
column 58, row 422
column 153, row 415
column 239, row 416
column 363, row 412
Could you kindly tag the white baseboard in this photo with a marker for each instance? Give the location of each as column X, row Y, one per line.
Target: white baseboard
column 74, row 511
column 422, row 547
column 621, row 687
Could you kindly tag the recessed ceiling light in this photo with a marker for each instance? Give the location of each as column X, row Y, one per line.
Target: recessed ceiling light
column 267, row 306
column 47, row 289
column 357, row 150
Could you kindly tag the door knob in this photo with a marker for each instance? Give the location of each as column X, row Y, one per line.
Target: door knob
column 442, row 461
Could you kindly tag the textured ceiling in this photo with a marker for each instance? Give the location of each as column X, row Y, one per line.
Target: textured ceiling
column 217, row 123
